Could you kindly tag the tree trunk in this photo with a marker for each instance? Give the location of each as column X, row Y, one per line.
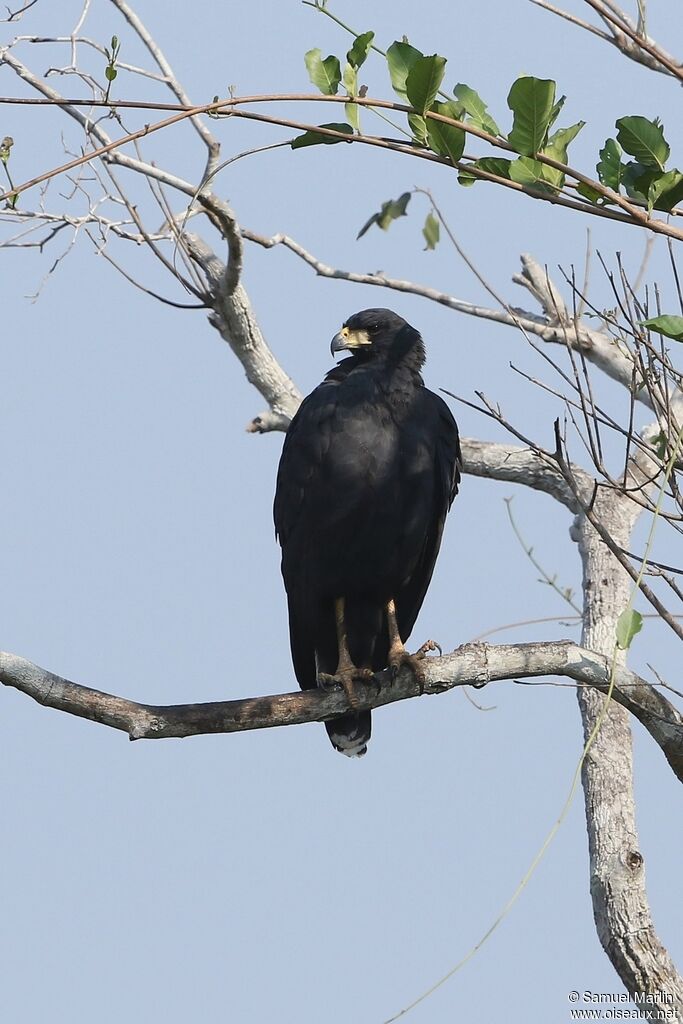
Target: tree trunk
column 617, row 871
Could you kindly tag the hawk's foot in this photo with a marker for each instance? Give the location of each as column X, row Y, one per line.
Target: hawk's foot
column 399, row 656
column 345, row 679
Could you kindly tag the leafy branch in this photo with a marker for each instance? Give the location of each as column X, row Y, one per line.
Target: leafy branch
column 5, row 152
column 485, row 169
column 111, row 72
column 541, row 159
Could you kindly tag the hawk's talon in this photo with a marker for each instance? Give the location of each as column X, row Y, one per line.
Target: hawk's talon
column 399, row 658
column 327, row 682
column 344, row 679
column 428, row 645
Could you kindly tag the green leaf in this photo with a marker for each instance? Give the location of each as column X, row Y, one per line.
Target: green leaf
column 629, row 623
column 5, row 148
column 666, row 324
column 418, row 127
column 324, row 74
column 666, row 191
column 555, row 112
column 531, row 101
column 659, row 443
column 644, row 140
column 533, row 173
column 400, row 59
column 589, row 193
column 352, row 111
column 431, row 231
column 610, row 167
column 647, row 184
column 445, row 139
column 350, row 83
column 475, row 108
column 389, row 212
column 556, row 148
column 492, row 164
column 424, row 81
column 317, row 139
column 495, row 165
column 350, row 80
column 559, row 141
column 360, row 49
column 110, row 72
column 637, row 179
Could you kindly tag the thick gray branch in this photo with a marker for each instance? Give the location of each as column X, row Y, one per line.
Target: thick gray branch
column 599, row 347
column 471, row 665
column 520, row 466
column 234, row 318
column 556, row 326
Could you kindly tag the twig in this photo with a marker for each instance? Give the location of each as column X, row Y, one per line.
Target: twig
column 551, row 581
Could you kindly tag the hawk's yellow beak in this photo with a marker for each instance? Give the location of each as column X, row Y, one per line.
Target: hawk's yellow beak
column 347, row 339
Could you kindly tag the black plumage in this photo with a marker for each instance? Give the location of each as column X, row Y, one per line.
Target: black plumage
column 369, row 469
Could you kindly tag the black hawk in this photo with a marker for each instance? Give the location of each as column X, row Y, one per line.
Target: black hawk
column 369, row 469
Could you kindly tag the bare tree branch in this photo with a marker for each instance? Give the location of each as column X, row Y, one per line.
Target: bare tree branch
column 632, row 41
column 556, row 326
column 233, row 315
column 235, row 320
column 473, row 664
column 573, row 19
column 626, row 37
column 108, row 147
column 19, row 13
column 170, row 79
column 526, row 466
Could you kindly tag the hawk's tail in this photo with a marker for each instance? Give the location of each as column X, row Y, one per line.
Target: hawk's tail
column 350, row 733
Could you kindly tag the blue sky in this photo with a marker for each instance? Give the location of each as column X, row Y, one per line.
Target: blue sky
column 260, row 876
